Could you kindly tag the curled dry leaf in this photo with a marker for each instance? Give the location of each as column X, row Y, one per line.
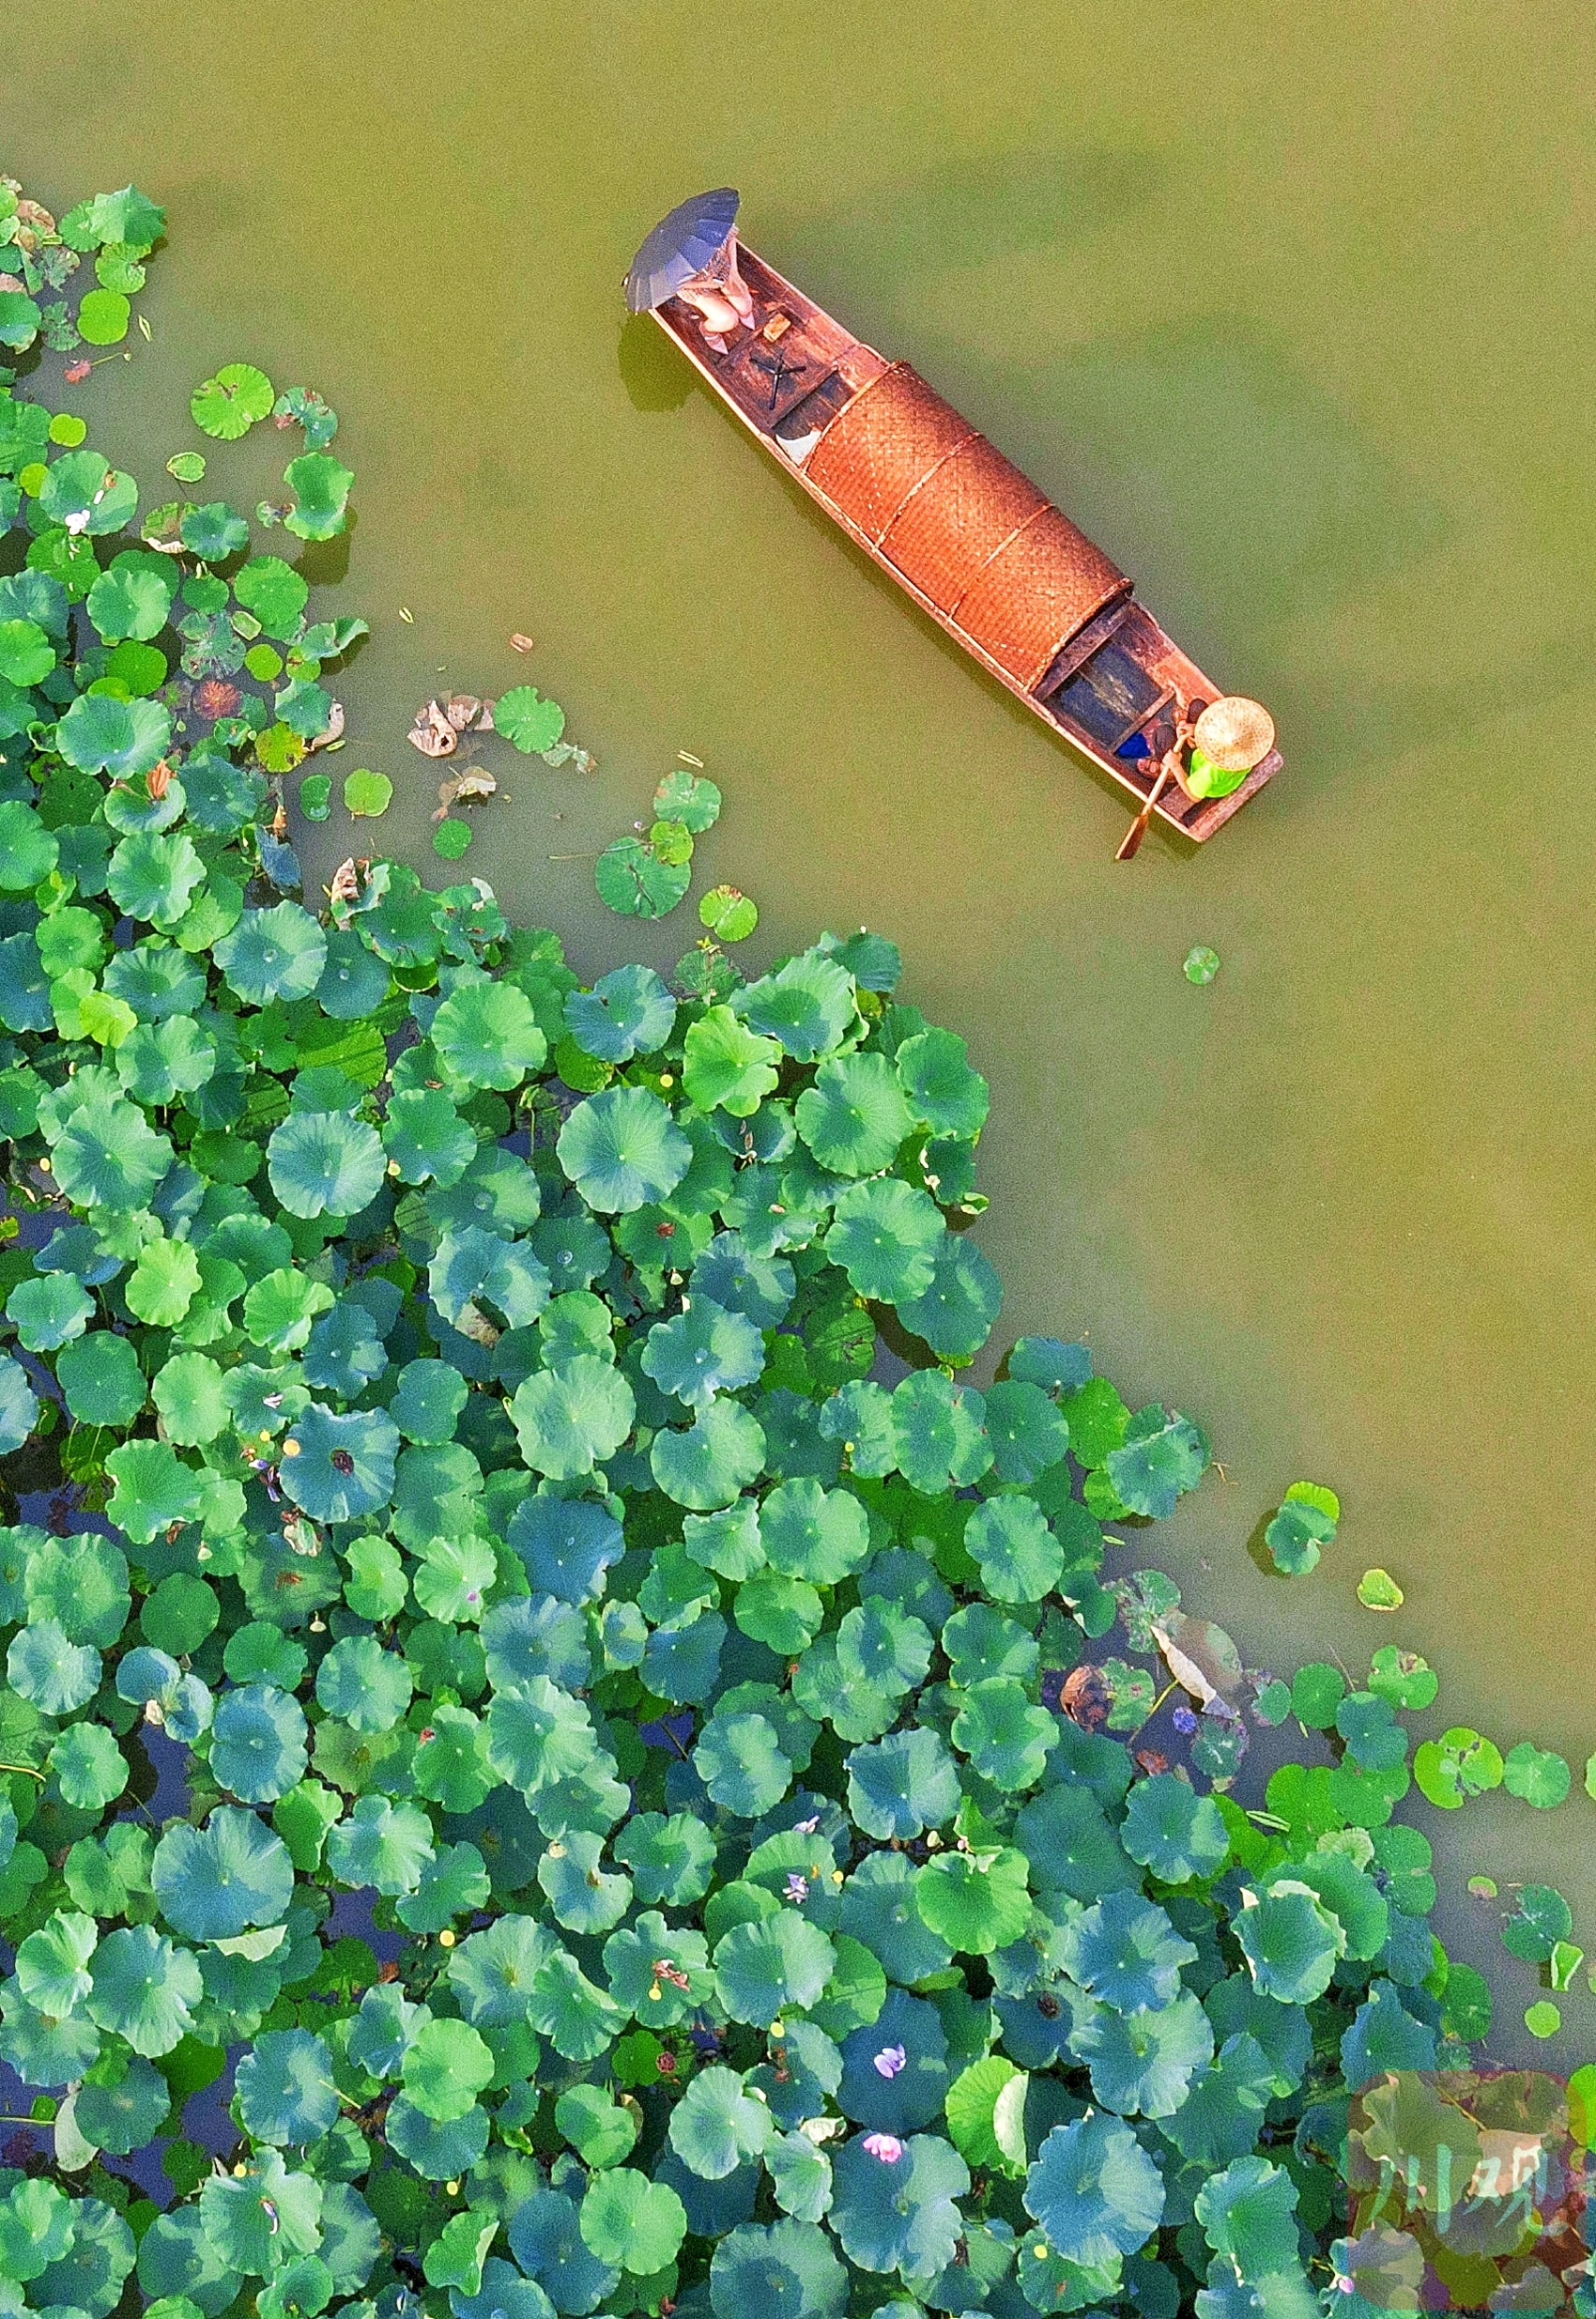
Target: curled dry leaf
column 519, row 643
column 432, row 732
column 468, row 787
column 334, row 729
column 345, row 891
column 466, row 713
column 1086, row 1697
column 1201, row 1656
column 77, row 371
column 11, row 282
column 157, row 780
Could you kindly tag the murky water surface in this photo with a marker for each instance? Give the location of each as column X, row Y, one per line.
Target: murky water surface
column 1295, row 317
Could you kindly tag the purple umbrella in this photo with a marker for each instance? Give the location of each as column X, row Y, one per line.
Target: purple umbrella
column 680, row 246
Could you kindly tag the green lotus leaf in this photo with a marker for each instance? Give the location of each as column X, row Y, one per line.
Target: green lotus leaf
column 1162, row 1456
column 630, row 2222
column 1536, row 1776
column 88, row 1767
column 1020, row 1559
column 1174, row 1832
column 741, row 1762
column 277, row 953
column 20, row 320
column 597, row 2129
column 942, row 1090
column 487, row 1035
column 217, row 1882
column 126, row 738
column 902, row 1785
column 718, row 2126
column 47, row 1313
column 626, row 1013
column 26, row 653
column 368, row 1687
column 1401, row 1676
column 1028, row 1432
column 977, row 1901
column 1248, row 2216
column 340, row 1466
column 709, row 1464
column 158, row 1063
column 227, row 405
column 320, row 484
column 1294, row 1536
column 1094, row 2191
column 1142, row 2064
column 144, row 1990
column 788, row 2268
column 163, row 1282
column 86, row 494
column 703, row 1351
column 671, row 1859
column 257, row 1745
column 689, row 798
column 475, row 1268
column 571, row 1419
column 806, row 1005
column 213, row 531
column 633, row 881
column 780, row 1963
column 854, row 1118
column 727, row 1067
column 1290, row 1941
column 940, row 1431
column 884, row 1234
column 538, row 1734
column 953, row 1317
column 428, row 1403
column 729, row 914
column 528, row 722
column 321, row 1163
column 1126, row 1953
column 1541, row 1919
column 743, row 1281
column 258, row 2220
column 583, row 1897
column 579, row 2018
column 445, row 2065
column 899, row 2214
column 129, row 600
column 1004, row 1736
column 1460, row 1763
column 381, row 1844
column 100, row 1377
column 813, row 1532
column 153, row 1488
column 280, row 1307
column 622, row 1148
column 285, row 2087
column 52, row 1965
column 36, row 2229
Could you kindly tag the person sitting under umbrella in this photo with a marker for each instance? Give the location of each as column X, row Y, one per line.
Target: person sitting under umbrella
column 692, row 254
column 719, row 294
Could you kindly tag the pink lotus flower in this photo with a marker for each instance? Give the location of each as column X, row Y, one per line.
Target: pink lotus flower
column 886, row 2146
column 891, row 2061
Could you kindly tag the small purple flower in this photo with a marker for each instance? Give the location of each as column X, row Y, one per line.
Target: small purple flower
column 891, row 2061
column 797, row 1886
column 1184, row 1721
column 886, row 2146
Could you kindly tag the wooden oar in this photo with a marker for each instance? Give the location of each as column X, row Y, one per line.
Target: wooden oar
column 1132, row 844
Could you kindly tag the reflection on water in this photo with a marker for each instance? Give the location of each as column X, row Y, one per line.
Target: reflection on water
column 1320, row 385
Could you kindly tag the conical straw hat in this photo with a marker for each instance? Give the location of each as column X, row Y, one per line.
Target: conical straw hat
column 1235, row 733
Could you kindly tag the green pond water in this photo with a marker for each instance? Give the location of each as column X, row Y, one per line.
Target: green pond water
column 1291, row 315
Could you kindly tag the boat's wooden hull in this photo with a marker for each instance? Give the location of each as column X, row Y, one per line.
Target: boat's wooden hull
column 993, row 566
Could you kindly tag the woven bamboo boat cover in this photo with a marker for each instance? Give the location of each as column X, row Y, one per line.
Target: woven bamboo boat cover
column 962, row 524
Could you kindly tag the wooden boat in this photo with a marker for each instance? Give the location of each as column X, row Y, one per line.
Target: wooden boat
column 963, row 531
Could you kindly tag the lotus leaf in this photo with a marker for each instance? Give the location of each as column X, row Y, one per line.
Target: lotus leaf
column 226, row 405
column 528, row 722
column 729, row 914
column 1290, row 1941
column 703, row 1351
column 320, row 484
column 635, row 880
column 713, row 1461
column 727, row 1065
column 626, row 1013
column 87, row 497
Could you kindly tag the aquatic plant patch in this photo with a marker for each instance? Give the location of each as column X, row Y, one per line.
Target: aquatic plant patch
column 624, row 1792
